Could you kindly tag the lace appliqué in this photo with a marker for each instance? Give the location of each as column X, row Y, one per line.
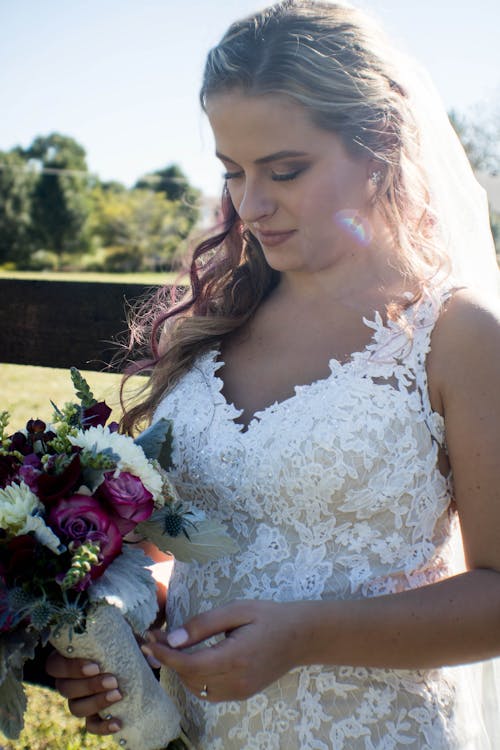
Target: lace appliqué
column 333, row 493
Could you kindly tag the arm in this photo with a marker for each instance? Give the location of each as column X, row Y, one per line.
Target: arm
column 451, row 622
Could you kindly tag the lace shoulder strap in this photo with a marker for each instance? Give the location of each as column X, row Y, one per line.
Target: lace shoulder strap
column 421, row 319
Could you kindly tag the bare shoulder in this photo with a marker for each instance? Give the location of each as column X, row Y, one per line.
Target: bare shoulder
column 465, row 343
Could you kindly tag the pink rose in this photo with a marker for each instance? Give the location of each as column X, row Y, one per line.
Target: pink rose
column 126, row 499
column 81, row 518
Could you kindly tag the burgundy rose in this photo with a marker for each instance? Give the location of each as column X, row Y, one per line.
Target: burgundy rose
column 19, row 442
column 51, row 487
column 8, row 469
column 127, row 500
column 20, row 558
column 96, row 415
column 81, row 518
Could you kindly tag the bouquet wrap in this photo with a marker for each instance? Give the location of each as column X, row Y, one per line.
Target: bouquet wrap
column 149, row 718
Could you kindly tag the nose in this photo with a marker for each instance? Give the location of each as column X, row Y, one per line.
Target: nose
column 255, row 202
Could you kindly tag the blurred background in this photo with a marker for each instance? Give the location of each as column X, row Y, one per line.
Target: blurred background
column 106, row 161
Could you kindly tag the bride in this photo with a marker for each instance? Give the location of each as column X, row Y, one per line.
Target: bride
column 333, row 378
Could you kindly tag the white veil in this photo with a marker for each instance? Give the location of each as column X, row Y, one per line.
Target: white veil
column 461, row 206
column 458, row 199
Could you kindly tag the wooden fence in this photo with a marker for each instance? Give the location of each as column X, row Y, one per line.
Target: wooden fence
column 64, row 323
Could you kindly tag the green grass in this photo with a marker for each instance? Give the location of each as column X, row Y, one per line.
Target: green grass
column 118, row 278
column 26, row 392
column 50, row 726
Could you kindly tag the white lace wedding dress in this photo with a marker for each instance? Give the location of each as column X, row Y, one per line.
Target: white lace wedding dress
column 333, row 493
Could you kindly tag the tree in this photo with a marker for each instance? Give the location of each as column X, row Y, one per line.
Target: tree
column 173, row 183
column 17, row 184
column 480, row 137
column 61, row 195
column 137, row 228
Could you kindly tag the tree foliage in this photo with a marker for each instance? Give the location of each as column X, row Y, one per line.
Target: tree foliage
column 16, row 195
column 53, row 211
column 480, row 137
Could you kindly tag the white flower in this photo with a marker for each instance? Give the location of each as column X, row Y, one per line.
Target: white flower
column 132, row 458
column 17, row 503
column 42, row 533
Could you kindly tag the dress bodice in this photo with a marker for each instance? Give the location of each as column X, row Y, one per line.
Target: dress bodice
column 334, row 492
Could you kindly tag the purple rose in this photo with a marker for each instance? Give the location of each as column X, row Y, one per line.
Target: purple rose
column 95, row 415
column 81, row 518
column 30, row 471
column 127, row 500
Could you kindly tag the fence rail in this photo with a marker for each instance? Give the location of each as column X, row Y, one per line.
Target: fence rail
column 63, row 323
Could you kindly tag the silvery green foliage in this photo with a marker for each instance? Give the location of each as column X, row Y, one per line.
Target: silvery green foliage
column 13, row 704
column 156, row 442
column 205, row 540
column 15, row 648
column 128, row 584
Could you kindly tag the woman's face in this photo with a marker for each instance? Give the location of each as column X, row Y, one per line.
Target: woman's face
column 294, row 185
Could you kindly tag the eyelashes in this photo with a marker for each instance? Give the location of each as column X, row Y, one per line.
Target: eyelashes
column 275, row 176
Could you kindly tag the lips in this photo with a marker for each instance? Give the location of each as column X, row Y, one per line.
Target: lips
column 271, row 239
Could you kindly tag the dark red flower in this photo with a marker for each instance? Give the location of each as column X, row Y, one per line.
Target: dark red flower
column 96, row 415
column 51, row 487
column 19, row 442
column 36, row 427
column 127, row 499
column 20, row 557
column 8, row 469
column 81, row 518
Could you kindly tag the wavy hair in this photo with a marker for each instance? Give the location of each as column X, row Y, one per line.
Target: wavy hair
column 334, row 61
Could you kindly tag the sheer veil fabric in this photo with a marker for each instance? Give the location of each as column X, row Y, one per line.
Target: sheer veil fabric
column 461, row 206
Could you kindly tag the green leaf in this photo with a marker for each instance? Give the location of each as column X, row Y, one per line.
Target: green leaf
column 208, row 539
column 12, row 705
column 156, row 442
column 82, row 389
column 16, row 647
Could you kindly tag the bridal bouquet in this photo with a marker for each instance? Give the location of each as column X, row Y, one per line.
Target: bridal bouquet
column 70, row 494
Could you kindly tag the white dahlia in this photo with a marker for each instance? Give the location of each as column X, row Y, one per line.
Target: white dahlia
column 17, row 503
column 132, row 458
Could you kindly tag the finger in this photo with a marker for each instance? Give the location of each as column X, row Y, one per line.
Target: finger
column 82, row 688
column 60, row 666
column 205, row 625
column 108, row 725
column 94, row 704
column 219, row 659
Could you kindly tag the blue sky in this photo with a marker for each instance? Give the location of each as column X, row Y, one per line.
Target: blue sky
column 122, row 76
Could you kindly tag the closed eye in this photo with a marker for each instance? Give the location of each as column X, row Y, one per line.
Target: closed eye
column 231, row 175
column 284, row 176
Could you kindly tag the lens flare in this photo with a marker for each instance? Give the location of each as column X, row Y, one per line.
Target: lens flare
column 355, row 225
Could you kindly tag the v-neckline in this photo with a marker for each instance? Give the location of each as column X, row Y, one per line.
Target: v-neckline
column 335, row 365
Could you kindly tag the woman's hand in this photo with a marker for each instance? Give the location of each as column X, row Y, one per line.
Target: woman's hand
column 87, row 690
column 263, row 640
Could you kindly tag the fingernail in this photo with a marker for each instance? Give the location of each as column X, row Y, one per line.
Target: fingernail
column 91, row 669
column 146, row 650
column 177, row 638
column 109, row 683
column 113, row 727
column 154, row 662
column 113, row 696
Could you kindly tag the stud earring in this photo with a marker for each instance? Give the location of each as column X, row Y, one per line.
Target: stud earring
column 376, row 177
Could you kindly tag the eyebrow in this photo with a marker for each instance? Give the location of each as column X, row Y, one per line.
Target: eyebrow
column 266, row 159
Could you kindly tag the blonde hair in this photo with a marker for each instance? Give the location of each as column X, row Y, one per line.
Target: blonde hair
column 334, row 61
